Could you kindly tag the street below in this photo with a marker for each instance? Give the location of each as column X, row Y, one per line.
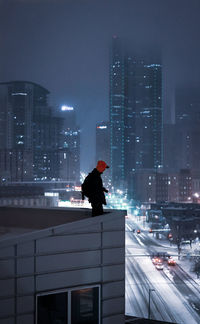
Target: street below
column 158, row 291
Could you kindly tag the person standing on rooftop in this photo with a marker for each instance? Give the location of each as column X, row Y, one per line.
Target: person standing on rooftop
column 92, row 188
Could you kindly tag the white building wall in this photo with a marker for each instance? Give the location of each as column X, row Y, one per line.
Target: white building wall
column 83, row 253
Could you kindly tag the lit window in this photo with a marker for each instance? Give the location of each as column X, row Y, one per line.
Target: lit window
column 85, row 306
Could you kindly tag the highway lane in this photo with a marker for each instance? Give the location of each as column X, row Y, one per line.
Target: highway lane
column 176, row 295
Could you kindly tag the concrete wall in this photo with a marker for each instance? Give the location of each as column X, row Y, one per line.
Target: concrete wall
column 83, row 253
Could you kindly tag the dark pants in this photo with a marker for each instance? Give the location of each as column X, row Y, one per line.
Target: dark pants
column 97, row 209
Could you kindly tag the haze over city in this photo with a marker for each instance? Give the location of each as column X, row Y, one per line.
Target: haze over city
column 65, row 47
column 99, row 161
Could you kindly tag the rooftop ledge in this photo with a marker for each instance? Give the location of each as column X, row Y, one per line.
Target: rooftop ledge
column 30, row 223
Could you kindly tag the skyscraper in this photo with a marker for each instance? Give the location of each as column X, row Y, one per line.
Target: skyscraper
column 71, row 143
column 187, row 113
column 149, row 113
column 103, row 142
column 135, row 116
column 117, row 108
column 28, row 144
column 129, row 119
column 19, row 104
column 103, row 148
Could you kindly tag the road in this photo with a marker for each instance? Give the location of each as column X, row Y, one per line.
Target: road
column 174, row 295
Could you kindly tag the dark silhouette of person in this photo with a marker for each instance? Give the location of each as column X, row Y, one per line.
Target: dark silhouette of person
column 92, row 188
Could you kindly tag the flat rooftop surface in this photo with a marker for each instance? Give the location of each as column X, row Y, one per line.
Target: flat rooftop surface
column 15, row 221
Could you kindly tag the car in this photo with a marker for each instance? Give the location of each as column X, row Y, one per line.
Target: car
column 150, row 230
column 159, row 266
column 138, row 231
column 154, row 260
column 185, row 242
column 171, row 262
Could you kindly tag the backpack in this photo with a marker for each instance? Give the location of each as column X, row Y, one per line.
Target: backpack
column 86, row 186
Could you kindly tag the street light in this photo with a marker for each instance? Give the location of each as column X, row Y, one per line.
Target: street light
column 149, row 308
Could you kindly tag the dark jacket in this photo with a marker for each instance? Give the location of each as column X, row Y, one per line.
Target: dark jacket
column 96, row 191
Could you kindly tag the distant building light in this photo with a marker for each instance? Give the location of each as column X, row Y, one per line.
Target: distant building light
column 153, row 65
column 67, row 108
column 101, row 127
column 77, row 188
column 51, row 194
column 19, row 94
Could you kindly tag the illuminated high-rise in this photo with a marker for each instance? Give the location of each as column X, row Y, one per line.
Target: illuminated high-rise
column 117, row 108
column 135, row 116
column 149, row 116
column 71, row 143
column 103, row 142
column 29, row 133
column 187, row 118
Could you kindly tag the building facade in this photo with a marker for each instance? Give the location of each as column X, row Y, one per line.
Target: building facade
column 136, row 116
column 30, row 136
column 157, row 187
column 149, row 116
column 116, row 114
column 182, row 137
column 62, row 266
column 70, row 164
column 103, row 142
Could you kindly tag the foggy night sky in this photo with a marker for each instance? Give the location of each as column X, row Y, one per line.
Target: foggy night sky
column 64, row 46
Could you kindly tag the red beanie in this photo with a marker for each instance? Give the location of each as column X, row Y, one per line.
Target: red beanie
column 101, row 166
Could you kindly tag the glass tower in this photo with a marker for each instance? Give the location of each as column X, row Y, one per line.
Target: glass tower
column 117, row 108
column 28, row 145
column 136, row 116
column 149, row 119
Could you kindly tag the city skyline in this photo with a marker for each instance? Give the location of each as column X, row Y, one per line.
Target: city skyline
column 67, row 50
column 83, row 81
